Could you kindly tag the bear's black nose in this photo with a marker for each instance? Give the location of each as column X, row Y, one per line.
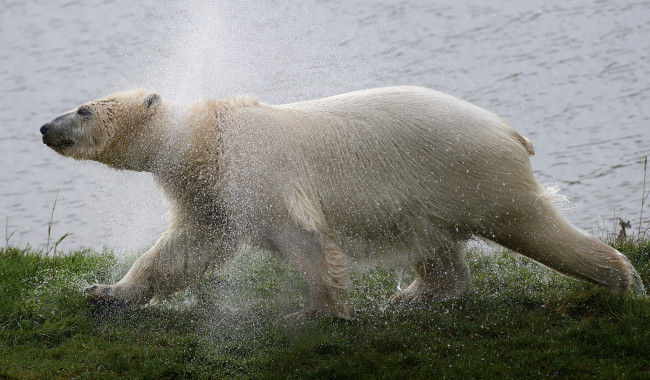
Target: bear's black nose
column 44, row 128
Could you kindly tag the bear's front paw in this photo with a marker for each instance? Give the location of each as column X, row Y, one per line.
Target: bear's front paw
column 103, row 294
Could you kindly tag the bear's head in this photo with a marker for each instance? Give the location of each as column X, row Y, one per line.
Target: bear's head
column 113, row 130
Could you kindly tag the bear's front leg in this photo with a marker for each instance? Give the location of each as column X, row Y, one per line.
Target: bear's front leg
column 180, row 257
column 325, row 270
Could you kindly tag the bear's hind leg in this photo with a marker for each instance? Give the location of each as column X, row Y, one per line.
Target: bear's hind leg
column 539, row 232
column 443, row 274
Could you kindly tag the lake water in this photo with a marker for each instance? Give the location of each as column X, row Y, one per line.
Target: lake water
column 574, row 77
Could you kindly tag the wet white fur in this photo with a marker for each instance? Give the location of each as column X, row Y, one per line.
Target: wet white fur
column 400, row 174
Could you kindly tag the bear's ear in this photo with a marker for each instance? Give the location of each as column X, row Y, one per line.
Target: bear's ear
column 151, row 100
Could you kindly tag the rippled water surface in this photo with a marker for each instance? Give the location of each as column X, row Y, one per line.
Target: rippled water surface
column 573, row 78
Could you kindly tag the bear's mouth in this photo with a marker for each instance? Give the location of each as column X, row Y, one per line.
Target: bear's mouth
column 59, row 144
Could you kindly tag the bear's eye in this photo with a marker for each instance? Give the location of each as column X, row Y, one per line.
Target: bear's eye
column 84, row 111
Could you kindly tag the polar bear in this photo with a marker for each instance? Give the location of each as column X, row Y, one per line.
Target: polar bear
column 399, row 174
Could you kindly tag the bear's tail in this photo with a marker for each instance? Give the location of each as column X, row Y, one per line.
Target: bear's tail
column 528, row 145
column 545, row 236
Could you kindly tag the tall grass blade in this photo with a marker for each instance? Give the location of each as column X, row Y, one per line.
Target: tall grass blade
column 59, row 241
column 49, row 225
column 644, row 197
column 7, row 234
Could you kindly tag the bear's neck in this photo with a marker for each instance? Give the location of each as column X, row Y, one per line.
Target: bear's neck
column 187, row 163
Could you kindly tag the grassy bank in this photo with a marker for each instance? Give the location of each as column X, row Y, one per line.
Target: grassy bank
column 518, row 321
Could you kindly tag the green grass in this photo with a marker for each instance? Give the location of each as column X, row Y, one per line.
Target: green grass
column 517, row 321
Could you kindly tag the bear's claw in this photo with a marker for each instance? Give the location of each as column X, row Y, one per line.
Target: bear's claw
column 102, row 294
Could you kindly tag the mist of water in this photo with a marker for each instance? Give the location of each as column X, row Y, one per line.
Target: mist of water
column 561, row 75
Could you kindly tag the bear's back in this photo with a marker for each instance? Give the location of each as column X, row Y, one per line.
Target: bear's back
column 391, row 150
